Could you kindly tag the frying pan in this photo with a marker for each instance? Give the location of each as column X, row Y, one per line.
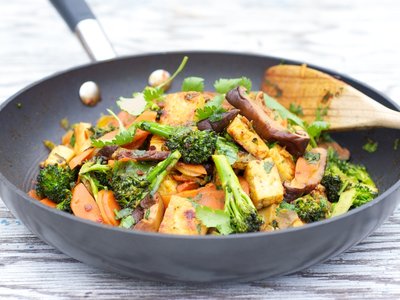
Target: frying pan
column 33, row 114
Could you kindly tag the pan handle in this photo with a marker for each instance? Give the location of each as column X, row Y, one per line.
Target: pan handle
column 82, row 21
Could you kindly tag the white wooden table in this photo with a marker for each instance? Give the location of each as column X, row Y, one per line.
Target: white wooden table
column 358, row 38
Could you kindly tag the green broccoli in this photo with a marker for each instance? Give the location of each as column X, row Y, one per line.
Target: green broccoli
column 346, row 183
column 97, row 173
column 55, row 183
column 238, row 205
column 196, row 146
column 310, row 209
column 132, row 181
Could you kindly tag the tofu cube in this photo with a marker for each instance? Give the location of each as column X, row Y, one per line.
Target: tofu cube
column 264, row 182
column 180, row 218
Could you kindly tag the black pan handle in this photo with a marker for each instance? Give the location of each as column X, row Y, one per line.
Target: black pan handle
column 82, row 21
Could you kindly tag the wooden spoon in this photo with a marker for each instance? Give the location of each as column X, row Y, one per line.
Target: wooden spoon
column 338, row 103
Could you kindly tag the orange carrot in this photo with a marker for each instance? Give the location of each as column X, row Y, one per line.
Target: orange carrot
column 126, row 118
column 107, row 204
column 77, row 160
column 183, row 178
column 187, row 186
column 32, row 193
column 83, row 204
column 109, row 135
column 66, row 139
column 190, row 169
column 48, row 202
column 141, row 135
column 111, row 163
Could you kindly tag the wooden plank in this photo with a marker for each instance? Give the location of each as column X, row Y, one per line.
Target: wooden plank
column 355, row 37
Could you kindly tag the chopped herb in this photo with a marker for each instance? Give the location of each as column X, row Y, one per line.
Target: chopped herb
column 224, row 85
column 327, row 97
column 296, row 109
column 212, row 109
column 312, row 157
column 278, row 90
column 268, row 166
column 73, row 140
column 321, row 112
column 64, row 123
column 227, row 148
column 124, row 136
column 314, row 131
column 193, row 84
column 275, row 224
column 214, row 218
column 147, row 214
column 396, row 144
column 198, row 228
column 370, row 146
column 49, row 144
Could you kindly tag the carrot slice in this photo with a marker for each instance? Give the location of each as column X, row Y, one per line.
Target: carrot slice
column 83, row 204
column 190, row 169
column 77, row 160
column 66, row 139
column 186, row 186
column 32, row 193
column 107, row 204
column 48, row 202
column 141, row 135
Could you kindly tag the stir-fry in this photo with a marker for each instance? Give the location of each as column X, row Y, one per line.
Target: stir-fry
column 201, row 162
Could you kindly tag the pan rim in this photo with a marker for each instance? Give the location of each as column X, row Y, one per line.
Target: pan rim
column 349, row 214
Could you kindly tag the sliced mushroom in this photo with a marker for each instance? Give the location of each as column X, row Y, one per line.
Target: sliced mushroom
column 141, row 155
column 265, row 126
column 220, row 125
column 309, row 171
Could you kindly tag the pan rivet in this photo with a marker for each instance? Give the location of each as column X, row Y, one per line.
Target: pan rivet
column 89, row 93
column 159, row 76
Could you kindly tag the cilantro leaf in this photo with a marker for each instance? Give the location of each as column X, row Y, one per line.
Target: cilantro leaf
column 227, row 148
column 212, row 109
column 314, row 130
column 125, row 136
column 214, row 218
column 282, row 111
column 224, row 85
column 194, row 84
column 370, row 146
column 296, row 109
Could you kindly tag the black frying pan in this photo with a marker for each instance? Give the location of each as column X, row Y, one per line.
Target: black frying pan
column 33, row 115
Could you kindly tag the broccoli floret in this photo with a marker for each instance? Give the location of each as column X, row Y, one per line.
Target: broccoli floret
column 97, row 173
column 196, row 146
column 238, row 205
column 342, row 176
column 131, row 182
column 55, row 182
column 311, row 209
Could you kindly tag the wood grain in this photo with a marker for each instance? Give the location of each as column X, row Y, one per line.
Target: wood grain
column 359, row 38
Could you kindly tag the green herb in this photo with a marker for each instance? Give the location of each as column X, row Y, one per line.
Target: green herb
column 327, row 97
column 320, row 113
column 73, row 140
column 370, row 146
column 125, row 136
column 193, row 84
column 127, row 222
column 396, row 144
column 312, row 157
column 314, row 131
column 214, row 218
column 282, row 111
column 64, row 123
column 147, row 214
column 224, row 85
column 212, row 109
column 268, row 166
column 227, row 148
column 278, row 90
column 296, row 109
column 149, row 97
column 49, row 144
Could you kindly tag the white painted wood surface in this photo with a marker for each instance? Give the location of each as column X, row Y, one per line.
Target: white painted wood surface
column 358, row 38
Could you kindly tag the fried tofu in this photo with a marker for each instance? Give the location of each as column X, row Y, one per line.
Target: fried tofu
column 264, row 182
column 180, row 218
column 243, row 133
column 284, row 162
